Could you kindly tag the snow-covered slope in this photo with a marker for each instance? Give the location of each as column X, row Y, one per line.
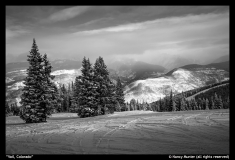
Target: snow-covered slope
column 152, row 89
column 65, row 76
column 14, row 81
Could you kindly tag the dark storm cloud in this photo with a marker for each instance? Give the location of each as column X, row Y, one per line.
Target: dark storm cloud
column 138, row 32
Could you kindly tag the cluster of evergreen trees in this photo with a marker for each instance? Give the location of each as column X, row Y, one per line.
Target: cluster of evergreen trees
column 210, row 99
column 218, row 97
column 135, row 105
column 196, row 90
column 93, row 93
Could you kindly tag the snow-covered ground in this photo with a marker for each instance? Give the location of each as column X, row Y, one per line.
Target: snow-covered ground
column 133, row 132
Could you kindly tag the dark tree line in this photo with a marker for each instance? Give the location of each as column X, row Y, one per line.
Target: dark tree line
column 196, row 90
column 12, row 109
column 216, row 98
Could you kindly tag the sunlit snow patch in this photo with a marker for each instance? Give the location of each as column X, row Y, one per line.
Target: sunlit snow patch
column 9, row 80
column 16, row 85
column 64, row 71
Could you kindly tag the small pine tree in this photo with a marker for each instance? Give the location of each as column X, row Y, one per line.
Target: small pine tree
column 178, row 103
column 171, row 101
column 118, row 107
column 76, row 94
column 128, row 106
column 160, row 105
column 218, row 102
column 182, row 104
column 194, row 104
column 203, row 104
column 212, row 103
column 119, row 92
column 173, row 106
column 7, row 108
column 189, row 104
column 132, row 104
column 207, row 104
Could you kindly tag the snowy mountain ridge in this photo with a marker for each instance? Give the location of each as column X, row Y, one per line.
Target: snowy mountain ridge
column 152, row 89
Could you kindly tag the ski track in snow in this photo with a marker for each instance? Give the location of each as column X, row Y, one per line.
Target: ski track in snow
column 132, row 132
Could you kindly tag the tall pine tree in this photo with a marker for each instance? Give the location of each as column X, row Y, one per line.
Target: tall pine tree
column 88, row 93
column 36, row 98
column 105, row 89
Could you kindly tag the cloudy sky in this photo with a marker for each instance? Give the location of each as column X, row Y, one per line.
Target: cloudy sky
column 146, row 33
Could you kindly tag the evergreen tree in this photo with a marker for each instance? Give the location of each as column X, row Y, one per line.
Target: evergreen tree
column 64, row 98
column 57, row 99
column 189, row 104
column 132, row 104
column 88, row 94
column 160, row 105
column 212, row 103
column 173, row 106
column 137, row 105
column 203, row 104
column 182, row 104
column 110, row 100
column 105, row 88
column 36, row 98
column 7, row 108
column 194, row 104
column 178, row 103
column 117, row 107
column 171, row 101
column 76, row 94
column 221, row 103
column 119, row 92
column 166, row 104
column 157, row 107
column 128, row 106
column 218, row 102
column 199, row 102
column 50, row 89
column 206, row 104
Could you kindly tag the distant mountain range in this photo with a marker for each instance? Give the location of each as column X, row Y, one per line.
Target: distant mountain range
column 222, row 59
column 192, row 67
column 134, row 71
column 143, row 81
column 56, row 64
column 178, row 80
